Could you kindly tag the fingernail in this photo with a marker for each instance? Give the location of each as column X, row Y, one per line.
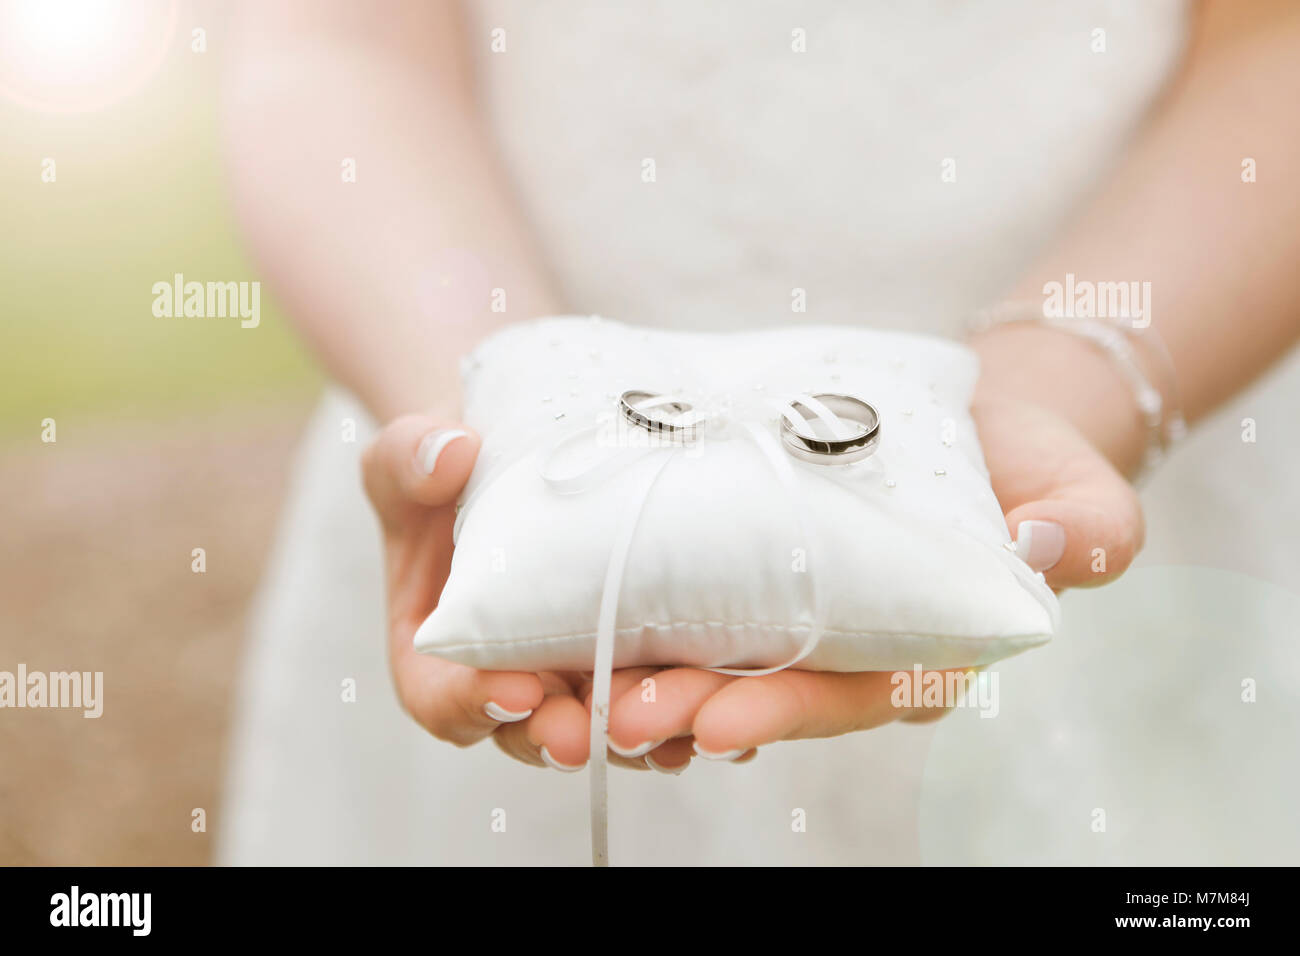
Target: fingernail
column 1040, row 544
column 496, row 712
column 635, row 752
column 431, row 446
column 707, row 755
column 655, row 765
column 555, row 764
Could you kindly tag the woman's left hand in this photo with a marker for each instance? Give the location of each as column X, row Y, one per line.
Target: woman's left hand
column 1073, row 515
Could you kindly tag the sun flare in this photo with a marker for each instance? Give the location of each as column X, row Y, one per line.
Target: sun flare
column 78, row 55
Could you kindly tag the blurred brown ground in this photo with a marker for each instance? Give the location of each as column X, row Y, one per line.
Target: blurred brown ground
column 96, row 535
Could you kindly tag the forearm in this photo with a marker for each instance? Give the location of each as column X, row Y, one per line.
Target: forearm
column 388, row 277
column 1220, row 254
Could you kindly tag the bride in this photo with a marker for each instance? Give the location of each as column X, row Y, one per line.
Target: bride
column 411, row 180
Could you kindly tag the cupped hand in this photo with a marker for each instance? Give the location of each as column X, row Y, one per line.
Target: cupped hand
column 413, row 472
column 1074, row 517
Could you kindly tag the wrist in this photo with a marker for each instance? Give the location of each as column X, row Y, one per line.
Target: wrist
column 1052, row 368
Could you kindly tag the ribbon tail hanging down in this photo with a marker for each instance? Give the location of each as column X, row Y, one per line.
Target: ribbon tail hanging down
column 602, row 673
column 603, row 664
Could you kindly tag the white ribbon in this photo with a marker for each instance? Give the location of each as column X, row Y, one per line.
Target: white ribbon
column 617, row 460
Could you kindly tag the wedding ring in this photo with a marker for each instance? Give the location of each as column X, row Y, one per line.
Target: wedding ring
column 638, row 408
column 863, row 437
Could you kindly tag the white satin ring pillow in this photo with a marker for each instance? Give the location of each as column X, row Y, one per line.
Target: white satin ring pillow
column 735, row 560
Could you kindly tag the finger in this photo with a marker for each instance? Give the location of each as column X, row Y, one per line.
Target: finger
column 417, row 460
column 619, row 682
column 791, row 705
column 459, row 704
column 637, row 682
column 642, row 717
column 1083, row 532
column 555, row 736
column 672, row 756
column 624, row 680
column 1074, row 517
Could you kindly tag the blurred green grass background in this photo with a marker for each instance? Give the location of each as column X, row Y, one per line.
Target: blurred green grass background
column 172, row 433
column 139, row 196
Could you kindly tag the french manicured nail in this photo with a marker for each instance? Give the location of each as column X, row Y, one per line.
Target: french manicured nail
column 1040, row 544
column 655, row 765
column 556, row 765
column 499, row 713
column 635, row 752
column 431, row 446
column 708, row 755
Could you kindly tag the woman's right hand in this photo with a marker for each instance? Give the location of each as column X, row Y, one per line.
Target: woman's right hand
column 414, row 471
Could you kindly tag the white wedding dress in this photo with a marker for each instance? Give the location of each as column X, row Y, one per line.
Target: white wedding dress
column 1126, row 740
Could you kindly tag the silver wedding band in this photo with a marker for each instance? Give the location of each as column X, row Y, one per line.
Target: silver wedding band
column 860, row 444
column 631, row 403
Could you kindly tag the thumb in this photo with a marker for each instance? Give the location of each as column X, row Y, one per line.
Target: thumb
column 1081, row 533
column 417, row 461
